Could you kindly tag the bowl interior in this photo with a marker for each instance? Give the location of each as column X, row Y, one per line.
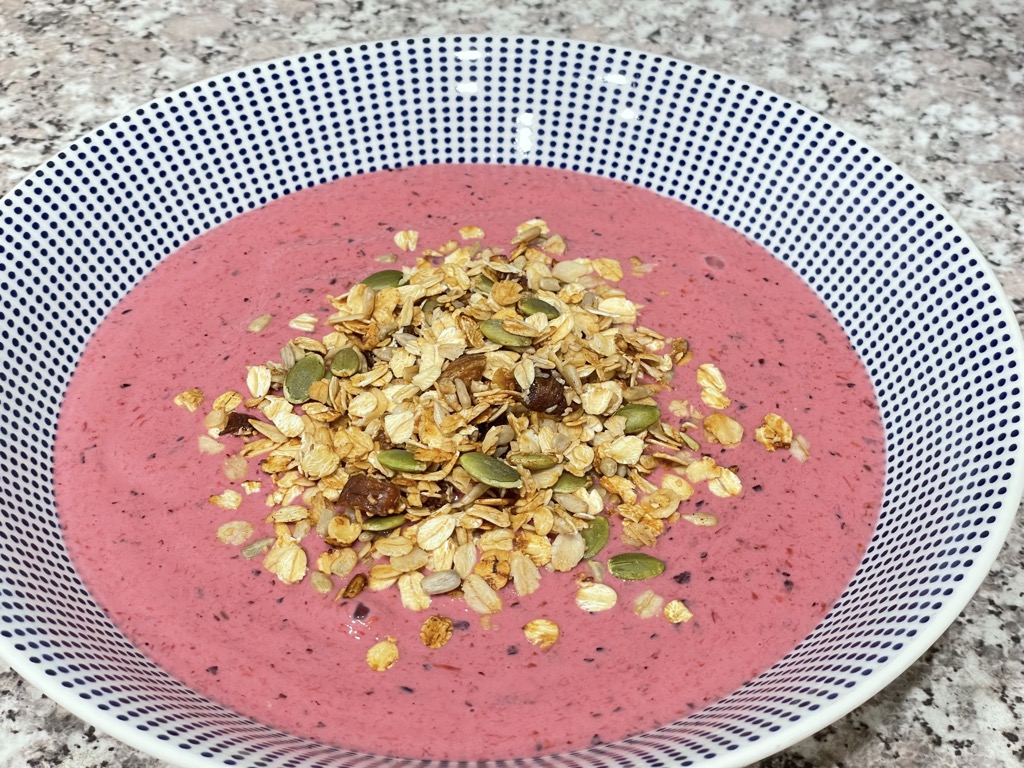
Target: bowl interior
column 912, row 293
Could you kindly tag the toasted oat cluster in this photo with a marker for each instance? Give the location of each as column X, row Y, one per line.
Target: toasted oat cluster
column 469, row 423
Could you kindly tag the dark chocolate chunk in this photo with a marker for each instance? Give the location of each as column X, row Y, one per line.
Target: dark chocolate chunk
column 238, row 424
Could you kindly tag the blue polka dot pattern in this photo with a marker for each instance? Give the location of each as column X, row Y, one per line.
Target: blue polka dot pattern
column 914, row 296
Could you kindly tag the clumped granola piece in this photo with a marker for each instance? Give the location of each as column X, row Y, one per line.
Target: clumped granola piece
column 436, row 631
column 774, row 432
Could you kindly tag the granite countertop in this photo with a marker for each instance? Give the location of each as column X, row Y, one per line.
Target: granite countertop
column 938, row 87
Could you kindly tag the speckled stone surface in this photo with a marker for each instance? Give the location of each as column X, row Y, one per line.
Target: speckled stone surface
column 938, row 87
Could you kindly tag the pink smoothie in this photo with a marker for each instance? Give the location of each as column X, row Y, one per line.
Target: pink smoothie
column 132, row 487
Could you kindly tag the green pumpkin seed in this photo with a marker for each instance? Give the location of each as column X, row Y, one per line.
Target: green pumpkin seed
column 533, row 461
column 490, row 471
column 428, row 306
column 494, row 331
column 635, row 566
column 638, row 417
column 595, row 536
column 346, row 362
column 386, row 278
column 531, row 305
column 401, row 461
column 484, row 284
column 386, row 523
column 568, row 482
column 300, row 378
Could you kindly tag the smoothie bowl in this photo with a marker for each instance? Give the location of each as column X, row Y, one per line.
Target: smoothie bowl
column 493, row 400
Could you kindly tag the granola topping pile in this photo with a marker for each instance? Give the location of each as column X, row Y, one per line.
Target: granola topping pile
column 465, row 425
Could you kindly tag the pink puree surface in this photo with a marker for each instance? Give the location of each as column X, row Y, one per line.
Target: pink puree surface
column 132, row 488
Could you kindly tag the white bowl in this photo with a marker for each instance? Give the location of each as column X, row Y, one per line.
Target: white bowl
column 915, row 297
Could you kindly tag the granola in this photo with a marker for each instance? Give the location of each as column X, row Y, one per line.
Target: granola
column 467, row 423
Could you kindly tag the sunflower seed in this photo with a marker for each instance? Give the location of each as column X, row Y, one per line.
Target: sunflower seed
column 256, row 548
column 439, row 582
